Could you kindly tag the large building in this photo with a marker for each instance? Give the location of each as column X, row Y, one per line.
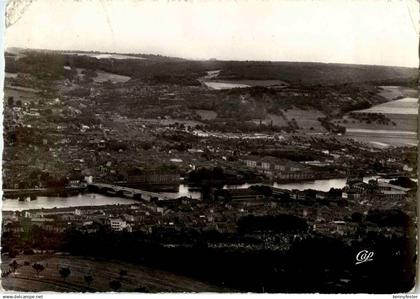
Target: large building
column 279, row 169
column 118, row 224
column 356, row 189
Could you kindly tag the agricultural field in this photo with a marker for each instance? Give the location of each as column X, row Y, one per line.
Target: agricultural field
column 206, row 114
column 223, row 85
column 131, row 278
column 397, row 122
column 384, row 139
column 226, row 84
column 105, row 55
column 24, row 95
column 305, row 119
column 402, row 106
column 114, row 78
column 10, row 75
column 101, row 76
column 394, row 92
column 275, row 119
column 396, row 115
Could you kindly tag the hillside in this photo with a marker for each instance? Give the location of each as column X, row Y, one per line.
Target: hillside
column 137, row 279
column 176, row 70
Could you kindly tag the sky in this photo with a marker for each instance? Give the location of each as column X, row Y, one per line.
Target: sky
column 381, row 32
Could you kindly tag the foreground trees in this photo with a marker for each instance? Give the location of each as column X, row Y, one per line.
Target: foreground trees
column 88, row 280
column 38, row 268
column 115, row 285
column 64, row 272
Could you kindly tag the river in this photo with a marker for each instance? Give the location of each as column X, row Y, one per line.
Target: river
column 81, row 200
column 90, row 199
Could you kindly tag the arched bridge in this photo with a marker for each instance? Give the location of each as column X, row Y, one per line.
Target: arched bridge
column 121, row 191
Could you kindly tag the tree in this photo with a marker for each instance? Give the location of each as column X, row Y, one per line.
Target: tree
column 141, row 289
column 13, row 266
column 122, row 273
column 115, row 285
column 357, row 217
column 88, row 279
column 13, row 253
column 10, row 101
column 404, row 182
column 64, row 272
column 38, row 268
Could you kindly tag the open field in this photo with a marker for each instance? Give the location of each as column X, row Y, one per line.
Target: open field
column 384, row 139
column 305, row 119
column 114, row 78
column 402, row 106
column 247, row 83
column 102, row 76
column 206, row 114
column 393, row 92
column 102, row 271
column 216, row 85
column 401, row 127
column 105, row 55
column 403, row 122
column 25, row 95
column 10, row 75
column 276, row 120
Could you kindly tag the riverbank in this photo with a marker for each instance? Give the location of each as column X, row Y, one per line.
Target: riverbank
column 80, row 200
column 93, row 199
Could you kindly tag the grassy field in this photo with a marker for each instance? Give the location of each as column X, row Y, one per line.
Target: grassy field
column 382, row 140
column 276, row 120
column 385, row 134
column 402, row 115
column 401, row 106
column 114, row 78
column 263, row 83
column 206, row 114
column 403, row 122
column 102, row 271
column 305, row 119
column 25, row 95
column 392, row 92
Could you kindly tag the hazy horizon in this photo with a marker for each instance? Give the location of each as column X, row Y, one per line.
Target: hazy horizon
column 206, row 60
column 342, row 32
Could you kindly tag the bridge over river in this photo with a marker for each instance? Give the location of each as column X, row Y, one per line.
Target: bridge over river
column 121, row 191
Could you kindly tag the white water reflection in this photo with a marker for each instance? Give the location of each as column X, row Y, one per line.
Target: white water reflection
column 224, row 85
column 321, row 185
column 50, row 202
column 90, row 199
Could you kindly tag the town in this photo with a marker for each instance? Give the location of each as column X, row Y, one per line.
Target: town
column 239, row 171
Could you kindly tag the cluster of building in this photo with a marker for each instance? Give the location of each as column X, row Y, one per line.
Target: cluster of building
column 357, row 189
column 279, row 169
column 327, row 213
column 153, row 176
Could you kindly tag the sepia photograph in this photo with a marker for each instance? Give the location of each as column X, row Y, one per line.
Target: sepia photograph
column 210, row 146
